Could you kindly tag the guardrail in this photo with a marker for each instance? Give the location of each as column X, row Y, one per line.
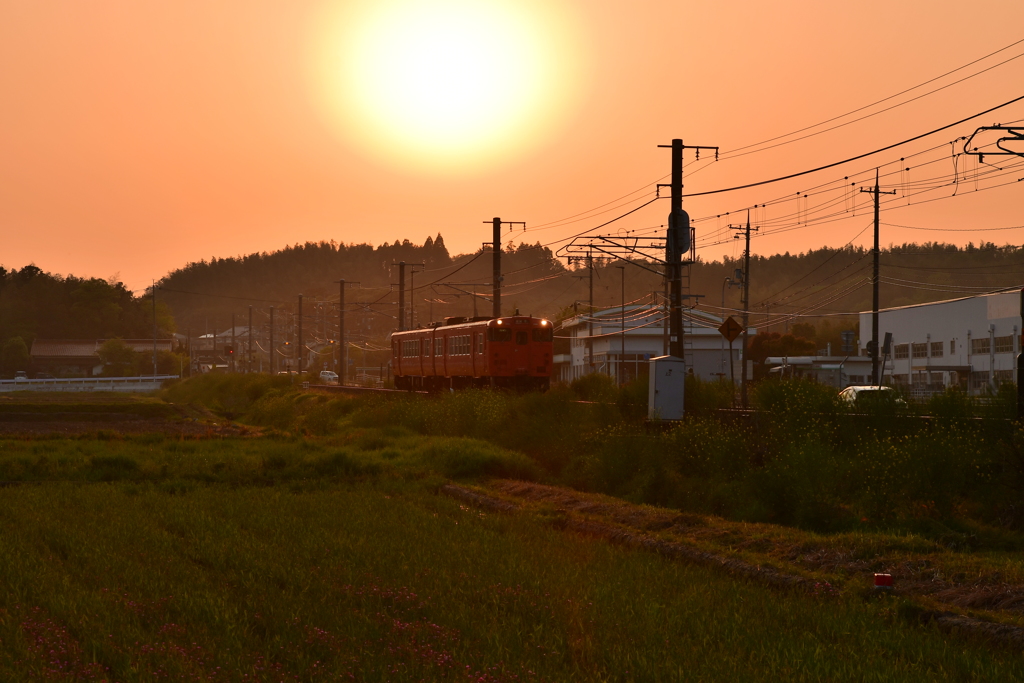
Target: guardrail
column 136, row 384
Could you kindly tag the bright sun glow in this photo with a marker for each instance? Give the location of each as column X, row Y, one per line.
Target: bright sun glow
column 446, row 84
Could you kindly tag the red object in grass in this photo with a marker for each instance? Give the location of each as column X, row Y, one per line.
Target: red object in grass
column 883, row 581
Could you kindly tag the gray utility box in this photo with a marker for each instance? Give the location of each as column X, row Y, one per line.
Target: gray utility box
column 667, row 384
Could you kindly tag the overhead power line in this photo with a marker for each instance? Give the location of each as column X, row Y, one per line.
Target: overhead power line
column 859, row 156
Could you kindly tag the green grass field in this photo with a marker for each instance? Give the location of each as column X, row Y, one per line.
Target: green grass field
column 385, row 581
column 314, row 545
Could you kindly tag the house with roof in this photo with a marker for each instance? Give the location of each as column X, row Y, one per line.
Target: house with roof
column 80, row 357
column 620, row 341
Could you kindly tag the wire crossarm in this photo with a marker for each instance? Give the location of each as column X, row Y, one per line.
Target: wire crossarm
column 650, row 249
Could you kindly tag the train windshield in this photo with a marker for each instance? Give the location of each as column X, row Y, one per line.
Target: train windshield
column 543, row 334
column 499, row 334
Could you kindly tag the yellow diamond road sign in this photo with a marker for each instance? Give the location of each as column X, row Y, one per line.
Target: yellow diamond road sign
column 730, row 329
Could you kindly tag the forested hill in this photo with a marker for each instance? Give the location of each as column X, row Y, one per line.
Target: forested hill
column 783, row 287
column 35, row 304
column 205, row 294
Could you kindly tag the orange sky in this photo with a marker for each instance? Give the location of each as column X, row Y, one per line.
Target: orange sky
column 135, row 137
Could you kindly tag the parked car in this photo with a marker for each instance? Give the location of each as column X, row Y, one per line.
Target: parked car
column 862, row 397
column 20, row 374
column 328, row 377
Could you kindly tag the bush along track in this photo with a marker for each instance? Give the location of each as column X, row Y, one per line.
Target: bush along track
column 663, row 532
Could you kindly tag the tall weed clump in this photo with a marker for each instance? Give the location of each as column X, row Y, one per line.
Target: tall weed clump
column 228, row 394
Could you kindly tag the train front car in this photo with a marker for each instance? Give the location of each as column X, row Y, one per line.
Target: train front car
column 515, row 352
column 520, row 352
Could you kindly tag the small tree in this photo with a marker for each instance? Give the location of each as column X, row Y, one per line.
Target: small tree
column 118, row 358
column 14, row 355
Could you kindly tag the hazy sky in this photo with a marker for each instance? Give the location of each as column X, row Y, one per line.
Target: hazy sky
column 138, row 136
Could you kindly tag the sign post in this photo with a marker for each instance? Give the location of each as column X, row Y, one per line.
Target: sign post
column 730, row 329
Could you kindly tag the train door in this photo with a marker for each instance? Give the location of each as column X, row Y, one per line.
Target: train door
column 521, row 348
column 433, row 353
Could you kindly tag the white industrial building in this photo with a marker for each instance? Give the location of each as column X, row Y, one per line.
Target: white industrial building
column 596, row 343
column 971, row 342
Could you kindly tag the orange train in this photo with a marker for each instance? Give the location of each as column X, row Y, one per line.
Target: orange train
column 514, row 352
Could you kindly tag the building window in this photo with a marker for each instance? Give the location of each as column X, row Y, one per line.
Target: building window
column 920, row 350
column 1004, row 344
column 937, row 349
column 952, row 346
column 979, row 377
column 856, row 379
column 900, row 351
column 980, row 346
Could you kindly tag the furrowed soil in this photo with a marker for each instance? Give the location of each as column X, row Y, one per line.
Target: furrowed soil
column 202, row 549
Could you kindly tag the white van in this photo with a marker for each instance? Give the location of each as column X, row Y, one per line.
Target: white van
column 328, row 377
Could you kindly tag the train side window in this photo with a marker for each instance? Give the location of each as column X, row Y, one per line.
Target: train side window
column 500, row 334
column 480, row 343
column 522, row 337
column 543, row 334
column 438, row 347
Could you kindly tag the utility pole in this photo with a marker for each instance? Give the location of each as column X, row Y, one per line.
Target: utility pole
column 622, row 351
column 401, row 291
column 154, row 328
column 873, row 346
column 248, row 362
column 677, row 243
column 298, row 344
column 589, row 260
column 272, row 350
column 495, row 245
column 746, row 308
column 342, row 346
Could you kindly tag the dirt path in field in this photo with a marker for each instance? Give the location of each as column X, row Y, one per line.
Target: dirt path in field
column 770, row 555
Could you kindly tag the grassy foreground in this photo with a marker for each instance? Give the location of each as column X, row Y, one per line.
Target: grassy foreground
column 385, row 581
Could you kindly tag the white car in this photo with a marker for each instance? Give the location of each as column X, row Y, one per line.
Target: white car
column 328, row 377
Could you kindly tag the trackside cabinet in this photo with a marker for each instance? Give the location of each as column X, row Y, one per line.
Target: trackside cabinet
column 667, row 383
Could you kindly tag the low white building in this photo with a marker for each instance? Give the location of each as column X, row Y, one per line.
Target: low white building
column 837, row 371
column 596, row 344
column 971, row 342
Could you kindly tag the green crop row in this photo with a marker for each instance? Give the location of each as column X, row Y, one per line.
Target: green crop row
column 387, row 582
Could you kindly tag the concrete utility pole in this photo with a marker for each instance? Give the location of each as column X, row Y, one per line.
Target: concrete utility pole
column 272, row 350
column 746, row 306
column 622, row 351
column 298, row 344
column 495, row 245
column 746, row 314
column 590, row 312
column 154, row 328
column 677, row 243
column 873, row 347
column 401, row 292
column 248, row 362
column 342, row 346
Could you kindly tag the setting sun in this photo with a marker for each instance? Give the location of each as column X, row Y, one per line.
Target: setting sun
column 446, row 85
